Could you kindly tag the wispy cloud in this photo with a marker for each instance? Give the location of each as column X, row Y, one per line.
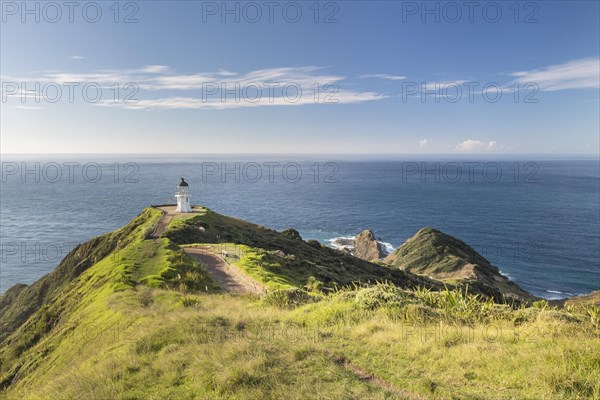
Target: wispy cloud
column 422, row 143
column 224, row 72
column 470, row 145
column 155, row 69
column 159, row 86
column 78, row 57
column 100, row 77
column 302, row 76
column 384, row 76
column 577, row 74
column 196, row 103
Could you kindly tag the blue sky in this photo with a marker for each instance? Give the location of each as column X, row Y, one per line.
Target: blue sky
column 387, row 73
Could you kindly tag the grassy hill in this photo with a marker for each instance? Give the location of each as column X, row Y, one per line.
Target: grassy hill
column 134, row 318
column 440, row 256
column 284, row 255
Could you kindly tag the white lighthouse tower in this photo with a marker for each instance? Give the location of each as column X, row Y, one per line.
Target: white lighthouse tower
column 183, row 197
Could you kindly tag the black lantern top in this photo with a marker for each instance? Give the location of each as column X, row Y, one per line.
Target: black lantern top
column 183, row 183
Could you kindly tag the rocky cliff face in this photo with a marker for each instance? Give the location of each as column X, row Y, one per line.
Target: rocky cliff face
column 367, row 247
column 441, row 256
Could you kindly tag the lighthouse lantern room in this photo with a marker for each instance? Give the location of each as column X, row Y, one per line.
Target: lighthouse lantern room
column 183, row 197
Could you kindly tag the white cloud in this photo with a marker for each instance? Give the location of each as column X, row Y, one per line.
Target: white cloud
column 384, row 76
column 577, row 74
column 477, row 145
column 302, row 76
column 100, row 77
column 78, row 57
column 155, row 69
column 264, row 87
column 224, row 72
column 422, row 142
column 179, row 82
column 197, row 103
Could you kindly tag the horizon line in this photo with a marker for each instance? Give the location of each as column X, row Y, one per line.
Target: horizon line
column 291, row 153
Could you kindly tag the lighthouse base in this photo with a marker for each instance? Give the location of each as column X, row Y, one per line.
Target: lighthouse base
column 183, row 204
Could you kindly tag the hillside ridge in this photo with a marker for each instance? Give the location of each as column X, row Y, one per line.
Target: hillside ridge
column 136, row 313
column 438, row 255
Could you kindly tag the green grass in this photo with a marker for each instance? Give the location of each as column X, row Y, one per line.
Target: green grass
column 151, row 258
column 21, row 302
column 443, row 257
column 87, row 294
column 165, row 265
column 266, row 267
column 292, row 260
column 224, row 347
column 179, row 220
column 134, row 325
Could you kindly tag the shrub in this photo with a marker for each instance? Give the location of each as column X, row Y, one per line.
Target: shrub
column 190, row 301
column 541, row 304
column 381, row 295
column 314, row 285
column 524, row 315
column 460, row 304
column 593, row 313
column 291, row 233
column 314, row 243
column 289, row 298
column 146, row 296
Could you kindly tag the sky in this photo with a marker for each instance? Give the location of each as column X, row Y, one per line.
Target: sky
column 389, row 77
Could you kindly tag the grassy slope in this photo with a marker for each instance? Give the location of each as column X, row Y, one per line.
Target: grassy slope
column 133, row 260
column 590, row 299
column 260, row 265
column 107, row 336
column 21, row 301
column 438, row 255
column 288, row 257
column 226, row 347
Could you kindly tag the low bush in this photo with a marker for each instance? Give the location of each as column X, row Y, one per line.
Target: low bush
column 289, row 298
column 381, row 295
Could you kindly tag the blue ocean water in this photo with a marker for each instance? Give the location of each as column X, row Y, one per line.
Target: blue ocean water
column 537, row 220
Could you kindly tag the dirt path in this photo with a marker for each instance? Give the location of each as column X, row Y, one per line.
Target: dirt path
column 369, row 379
column 168, row 214
column 161, row 227
column 228, row 277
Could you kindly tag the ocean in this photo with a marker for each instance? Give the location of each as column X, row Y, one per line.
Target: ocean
column 538, row 220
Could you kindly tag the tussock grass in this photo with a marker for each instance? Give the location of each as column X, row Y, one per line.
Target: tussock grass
column 220, row 346
column 136, row 324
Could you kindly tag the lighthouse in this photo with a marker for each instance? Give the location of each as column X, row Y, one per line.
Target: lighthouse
column 183, row 197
